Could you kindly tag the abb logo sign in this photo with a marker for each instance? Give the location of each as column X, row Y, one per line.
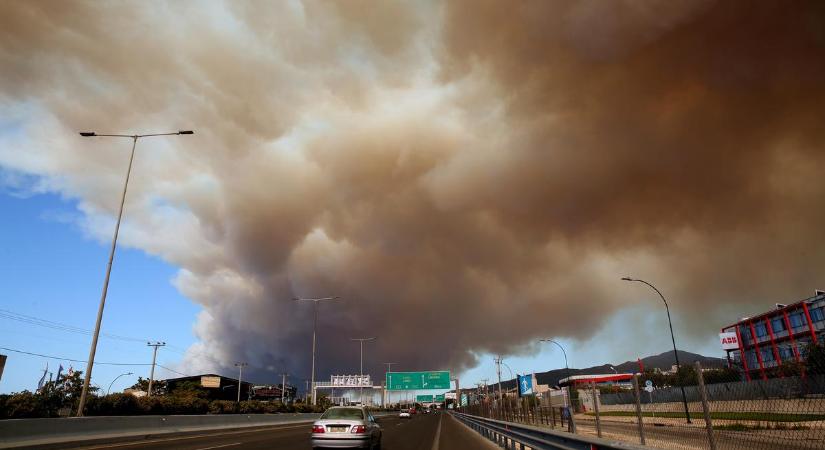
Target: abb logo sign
column 729, row 341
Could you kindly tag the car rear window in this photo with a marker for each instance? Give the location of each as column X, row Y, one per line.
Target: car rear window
column 343, row 413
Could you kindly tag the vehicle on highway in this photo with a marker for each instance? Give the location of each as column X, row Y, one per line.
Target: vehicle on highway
column 346, row 427
column 405, row 414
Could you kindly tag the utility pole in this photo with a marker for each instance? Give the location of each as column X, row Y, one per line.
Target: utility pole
column 314, row 329
column 498, row 372
column 93, row 348
column 307, row 391
column 283, row 387
column 361, row 372
column 154, row 358
column 240, row 366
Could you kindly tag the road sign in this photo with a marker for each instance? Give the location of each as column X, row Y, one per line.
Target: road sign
column 649, row 388
column 404, row 381
column 464, row 400
column 648, row 383
column 424, row 398
column 525, row 385
column 439, row 398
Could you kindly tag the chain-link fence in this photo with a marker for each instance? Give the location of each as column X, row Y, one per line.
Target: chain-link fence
column 718, row 409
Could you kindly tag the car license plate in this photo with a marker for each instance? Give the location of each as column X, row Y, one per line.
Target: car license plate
column 340, row 429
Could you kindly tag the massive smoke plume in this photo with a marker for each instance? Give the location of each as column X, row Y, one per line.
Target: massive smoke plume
column 466, row 176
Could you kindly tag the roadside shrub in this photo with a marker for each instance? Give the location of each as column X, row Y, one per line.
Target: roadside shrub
column 113, row 405
column 23, row 405
column 222, row 407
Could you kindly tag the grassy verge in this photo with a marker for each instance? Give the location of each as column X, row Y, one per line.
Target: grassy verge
column 719, row 415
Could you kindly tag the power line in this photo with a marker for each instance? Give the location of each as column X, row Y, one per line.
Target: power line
column 174, row 371
column 31, row 320
column 70, row 359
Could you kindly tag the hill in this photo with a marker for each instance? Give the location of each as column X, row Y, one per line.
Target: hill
column 663, row 361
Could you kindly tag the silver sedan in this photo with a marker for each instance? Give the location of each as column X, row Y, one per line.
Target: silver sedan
column 346, row 427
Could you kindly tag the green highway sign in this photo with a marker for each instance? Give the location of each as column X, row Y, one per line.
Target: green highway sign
column 405, row 381
column 439, row 398
column 424, row 398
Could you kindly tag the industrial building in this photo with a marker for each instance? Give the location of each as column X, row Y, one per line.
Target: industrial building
column 776, row 337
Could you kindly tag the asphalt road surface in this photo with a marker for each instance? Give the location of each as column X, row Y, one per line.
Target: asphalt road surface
column 426, row 432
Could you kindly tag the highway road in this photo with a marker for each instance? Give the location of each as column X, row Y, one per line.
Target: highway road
column 422, row 432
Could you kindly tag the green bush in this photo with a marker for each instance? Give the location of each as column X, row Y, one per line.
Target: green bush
column 113, row 405
column 223, row 407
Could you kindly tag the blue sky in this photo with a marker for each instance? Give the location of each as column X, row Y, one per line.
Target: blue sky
column 51, row 270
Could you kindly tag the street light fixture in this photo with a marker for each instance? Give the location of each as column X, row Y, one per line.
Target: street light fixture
column 90, row 365
column 113, row 381
column 672, row 338
column 314, row 328
column 361, row 374
column 566, row 367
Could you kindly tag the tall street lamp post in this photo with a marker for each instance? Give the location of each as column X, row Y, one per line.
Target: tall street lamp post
column 314, row 329
column 566, row 367
column 113, row 381
column 361, row 374
column 240, row 366
column 386, row 388
column 90, row 364
column 673, row 339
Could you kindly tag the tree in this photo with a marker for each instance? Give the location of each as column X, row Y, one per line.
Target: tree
column 815, row 361
column 158, row 386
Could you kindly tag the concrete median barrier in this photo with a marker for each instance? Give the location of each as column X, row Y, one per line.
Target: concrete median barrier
column 33, row 432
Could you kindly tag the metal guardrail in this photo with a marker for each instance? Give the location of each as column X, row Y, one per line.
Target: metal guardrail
column 518, row 436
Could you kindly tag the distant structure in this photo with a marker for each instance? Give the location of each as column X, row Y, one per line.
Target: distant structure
column 760, row 344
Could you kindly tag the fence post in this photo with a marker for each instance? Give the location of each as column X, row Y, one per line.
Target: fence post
column 571, row 411
column 705, row 409
column 638, row 398
column 596, row 408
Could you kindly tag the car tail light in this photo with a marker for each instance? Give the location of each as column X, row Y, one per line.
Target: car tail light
column 359, row 429
column 317, row 428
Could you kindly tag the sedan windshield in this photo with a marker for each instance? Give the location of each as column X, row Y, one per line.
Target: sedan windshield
column 343, row 413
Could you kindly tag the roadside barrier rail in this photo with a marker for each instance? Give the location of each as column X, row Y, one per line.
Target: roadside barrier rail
column 516, row 436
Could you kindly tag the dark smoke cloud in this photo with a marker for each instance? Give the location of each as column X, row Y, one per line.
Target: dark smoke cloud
column 467, row 176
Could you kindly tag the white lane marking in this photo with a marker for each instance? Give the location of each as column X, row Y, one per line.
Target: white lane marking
column 437, row 434
column 153, row 441
column 219, row 446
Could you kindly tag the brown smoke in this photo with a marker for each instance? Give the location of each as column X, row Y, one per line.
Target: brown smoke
column 467, row 176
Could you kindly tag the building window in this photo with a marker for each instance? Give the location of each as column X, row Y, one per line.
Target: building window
column 767, row 354
column 778, row 324
column 817, row 315
column 761, row 331
column 745, row 332
column 786, row 353
column 751, row 358
column 796, row 320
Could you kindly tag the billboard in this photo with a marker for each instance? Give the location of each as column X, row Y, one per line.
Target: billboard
column 404, row 381
column 464, row 400
column 729, row 341
column 210, row 382
column 350, row 380
column 525, row 385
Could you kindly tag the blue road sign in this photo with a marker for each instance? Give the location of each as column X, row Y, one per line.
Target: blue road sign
column 525, row 385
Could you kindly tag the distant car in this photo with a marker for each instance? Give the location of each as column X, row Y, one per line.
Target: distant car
column 346, row 427
column 405, row 414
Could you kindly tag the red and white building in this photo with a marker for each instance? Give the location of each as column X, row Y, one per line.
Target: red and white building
column 770, row 339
